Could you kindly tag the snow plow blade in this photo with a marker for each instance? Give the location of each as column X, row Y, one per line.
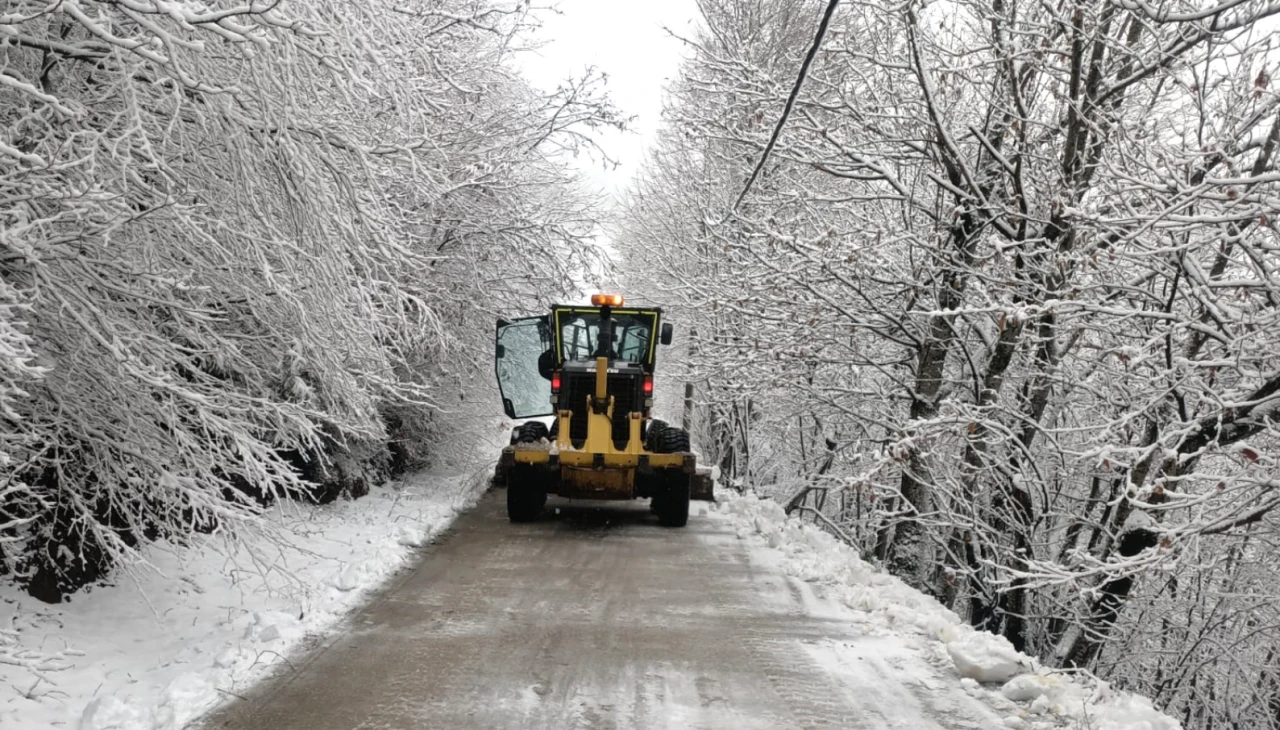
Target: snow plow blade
column 587, row 475
column 684, row 462
column 702, row 487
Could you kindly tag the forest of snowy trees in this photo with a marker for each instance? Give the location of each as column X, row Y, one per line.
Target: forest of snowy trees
column 255, row 249
column 1004, row 307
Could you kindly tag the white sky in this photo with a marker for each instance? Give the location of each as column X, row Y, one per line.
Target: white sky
column 624, row 39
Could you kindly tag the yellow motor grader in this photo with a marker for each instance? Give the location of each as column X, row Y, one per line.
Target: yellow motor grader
column 591, row 369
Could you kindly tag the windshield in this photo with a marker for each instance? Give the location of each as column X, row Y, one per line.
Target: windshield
column 630, row 341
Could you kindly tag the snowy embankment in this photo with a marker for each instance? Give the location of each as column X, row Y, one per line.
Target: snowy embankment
column 203, row 621
column 1028, row 695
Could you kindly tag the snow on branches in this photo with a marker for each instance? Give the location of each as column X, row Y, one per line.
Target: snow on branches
column 247, row 245
column 1007, row 294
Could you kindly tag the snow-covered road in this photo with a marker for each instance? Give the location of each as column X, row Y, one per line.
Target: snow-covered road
column 598, row 618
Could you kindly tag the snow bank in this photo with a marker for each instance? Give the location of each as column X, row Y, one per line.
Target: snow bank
column 160, row 648
column 986, row 665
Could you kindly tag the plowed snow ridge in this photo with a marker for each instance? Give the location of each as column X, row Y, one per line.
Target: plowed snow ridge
column 1029, row 695
column 204, row 621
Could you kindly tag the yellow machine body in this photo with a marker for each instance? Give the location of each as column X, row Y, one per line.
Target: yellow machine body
column 598, row 469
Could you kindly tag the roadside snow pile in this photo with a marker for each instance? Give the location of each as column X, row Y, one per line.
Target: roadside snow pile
column 1032, row 696
column 985, row 658
column 159, row 649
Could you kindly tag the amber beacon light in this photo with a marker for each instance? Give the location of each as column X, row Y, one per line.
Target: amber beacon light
column 606, row 300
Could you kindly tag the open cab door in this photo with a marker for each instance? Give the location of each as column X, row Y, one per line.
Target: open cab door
column 519, row 344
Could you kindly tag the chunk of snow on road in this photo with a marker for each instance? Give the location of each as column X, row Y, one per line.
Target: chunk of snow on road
column 1027, row 687
column 351, row 577
column 113, row 713
column 233, row 656
column 410, row 535
column 184, row 699
column 987, row 658
column 1131, row 712
column 271, row 625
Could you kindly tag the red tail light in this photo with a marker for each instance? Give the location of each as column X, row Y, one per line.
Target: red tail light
column 555, row 382
column 648, row 385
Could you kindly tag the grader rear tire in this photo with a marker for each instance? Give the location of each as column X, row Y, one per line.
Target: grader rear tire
column 671, row 441
column 529, row 433
column 526, row 494
column 651, row 431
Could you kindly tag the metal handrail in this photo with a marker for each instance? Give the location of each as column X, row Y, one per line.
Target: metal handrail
column 797, row 500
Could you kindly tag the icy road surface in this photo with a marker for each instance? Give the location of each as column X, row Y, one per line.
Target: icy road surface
column 599, row 618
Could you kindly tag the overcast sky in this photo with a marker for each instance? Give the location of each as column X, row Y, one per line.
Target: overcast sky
column 625, row 40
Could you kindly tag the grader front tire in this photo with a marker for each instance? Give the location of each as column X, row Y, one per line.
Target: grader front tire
column 673, row 502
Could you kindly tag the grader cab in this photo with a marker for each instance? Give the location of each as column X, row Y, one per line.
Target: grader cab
column 591, row 369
